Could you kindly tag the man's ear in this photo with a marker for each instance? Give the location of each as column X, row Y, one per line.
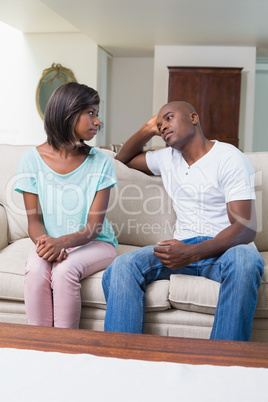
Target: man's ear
column 194, row 117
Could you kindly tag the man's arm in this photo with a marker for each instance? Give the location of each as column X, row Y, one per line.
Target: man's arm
column 242, row 230
column 131, row 153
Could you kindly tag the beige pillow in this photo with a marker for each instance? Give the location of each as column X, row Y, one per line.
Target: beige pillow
column 194, row 293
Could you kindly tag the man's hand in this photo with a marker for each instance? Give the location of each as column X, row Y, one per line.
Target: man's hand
column 174, row 254
column 50, row 249
column 151, row 125
column 132, row 153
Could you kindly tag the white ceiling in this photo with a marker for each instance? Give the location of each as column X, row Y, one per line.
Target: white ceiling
column 134, row 27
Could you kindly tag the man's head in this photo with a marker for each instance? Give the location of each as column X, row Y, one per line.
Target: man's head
column 178, row 124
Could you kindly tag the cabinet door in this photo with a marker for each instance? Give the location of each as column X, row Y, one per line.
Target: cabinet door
column 214, row 93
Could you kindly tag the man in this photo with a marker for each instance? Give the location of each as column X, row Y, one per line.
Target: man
column 212, row 189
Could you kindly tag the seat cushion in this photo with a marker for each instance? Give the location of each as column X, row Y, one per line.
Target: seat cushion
column 198, row 294
column 12, row 266
column 157, row 294
column 193, row 293
column 262, row 304
column 183, row 292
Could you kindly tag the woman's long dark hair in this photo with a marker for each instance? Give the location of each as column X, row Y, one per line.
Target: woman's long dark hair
column 62, row 112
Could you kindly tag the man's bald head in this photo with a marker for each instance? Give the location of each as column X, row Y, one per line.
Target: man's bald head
column 184, row 107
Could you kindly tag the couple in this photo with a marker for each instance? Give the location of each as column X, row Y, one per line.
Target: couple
column 63, row 256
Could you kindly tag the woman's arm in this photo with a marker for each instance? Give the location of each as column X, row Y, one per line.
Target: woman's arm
column 52, row 247
column 36, row 226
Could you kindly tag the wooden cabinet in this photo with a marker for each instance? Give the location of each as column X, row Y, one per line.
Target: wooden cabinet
column 215, row 95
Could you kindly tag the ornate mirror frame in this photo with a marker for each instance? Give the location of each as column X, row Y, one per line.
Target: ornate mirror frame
column 51, row 79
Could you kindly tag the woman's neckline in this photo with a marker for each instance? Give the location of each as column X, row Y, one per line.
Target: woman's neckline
column 55, row 171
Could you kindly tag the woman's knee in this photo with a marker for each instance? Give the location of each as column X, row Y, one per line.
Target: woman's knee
column 37, row 274
column 65, row 274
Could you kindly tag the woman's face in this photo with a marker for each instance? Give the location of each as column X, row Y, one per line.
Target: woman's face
column 87, row 124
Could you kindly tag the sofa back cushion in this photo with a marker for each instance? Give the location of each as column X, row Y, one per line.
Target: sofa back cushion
column 260, row 163
column 3, row 231
column 140, row 210
column 10, row 199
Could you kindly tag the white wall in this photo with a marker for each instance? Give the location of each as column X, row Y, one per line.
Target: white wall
column 130, row 96
column 260, row 136
column 209, row 56
column 25, row 57
column 11, row 53
column 137, row 86
column 102, row 86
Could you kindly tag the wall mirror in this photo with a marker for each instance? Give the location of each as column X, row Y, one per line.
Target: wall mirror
column 51, row 79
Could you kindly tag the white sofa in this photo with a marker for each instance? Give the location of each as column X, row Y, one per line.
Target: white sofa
column 141, row 214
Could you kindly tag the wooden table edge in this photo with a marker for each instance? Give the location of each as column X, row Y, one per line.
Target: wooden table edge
column 133, row 346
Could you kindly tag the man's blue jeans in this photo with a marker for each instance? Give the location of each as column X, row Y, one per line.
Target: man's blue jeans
column 238, row 270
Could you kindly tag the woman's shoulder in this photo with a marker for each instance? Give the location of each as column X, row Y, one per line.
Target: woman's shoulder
column 102, row 154
column 44, row 148
column 29, row 154
column 28, row 161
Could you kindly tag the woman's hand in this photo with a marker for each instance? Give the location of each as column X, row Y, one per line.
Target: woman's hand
column 50, row 249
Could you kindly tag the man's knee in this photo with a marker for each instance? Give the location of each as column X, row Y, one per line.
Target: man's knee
column 246, row 260
column 118, row 268
column 123, row 272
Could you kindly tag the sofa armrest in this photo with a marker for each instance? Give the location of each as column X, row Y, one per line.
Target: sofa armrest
column 3, row 226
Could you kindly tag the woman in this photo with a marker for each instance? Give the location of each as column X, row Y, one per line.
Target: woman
column 66, row 186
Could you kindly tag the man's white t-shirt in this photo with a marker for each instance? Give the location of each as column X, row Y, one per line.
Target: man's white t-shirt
column 200, row 192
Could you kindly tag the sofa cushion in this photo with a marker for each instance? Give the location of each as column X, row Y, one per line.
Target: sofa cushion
column 157, row 295
column 262, row 304
column 140, row 210
column 12, row 266
column 93, row 296
column 193, row 293
column 91, row 291
column 198, row 294
column 181, row 323
column 12, row 201
column 260, row 162
column 3, row 231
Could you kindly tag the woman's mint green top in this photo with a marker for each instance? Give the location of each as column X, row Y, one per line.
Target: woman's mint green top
column 66, row 199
